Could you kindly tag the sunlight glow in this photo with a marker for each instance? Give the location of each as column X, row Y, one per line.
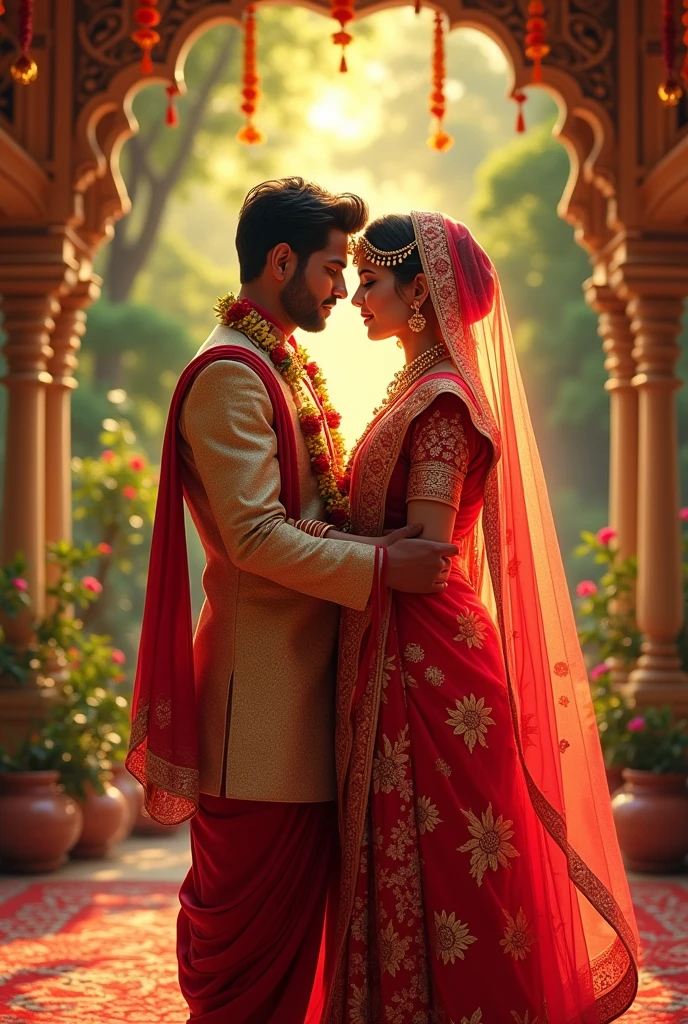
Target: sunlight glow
column 336, row 112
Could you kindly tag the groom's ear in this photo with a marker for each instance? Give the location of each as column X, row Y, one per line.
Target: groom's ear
column 281, row 261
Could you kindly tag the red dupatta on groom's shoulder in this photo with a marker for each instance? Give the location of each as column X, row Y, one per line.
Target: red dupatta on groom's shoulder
column 163, row 749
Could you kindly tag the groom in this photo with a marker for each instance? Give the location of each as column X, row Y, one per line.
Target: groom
column 264, row 839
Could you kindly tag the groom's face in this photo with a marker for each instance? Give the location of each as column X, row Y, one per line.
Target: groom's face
column 311, row 293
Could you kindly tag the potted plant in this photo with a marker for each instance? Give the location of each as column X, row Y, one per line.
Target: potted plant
column 651, row 809
column 613, row 712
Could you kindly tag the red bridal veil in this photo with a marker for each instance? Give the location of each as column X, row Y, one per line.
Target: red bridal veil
column 519, row 570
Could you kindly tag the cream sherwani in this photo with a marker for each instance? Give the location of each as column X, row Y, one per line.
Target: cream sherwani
column 264, row 649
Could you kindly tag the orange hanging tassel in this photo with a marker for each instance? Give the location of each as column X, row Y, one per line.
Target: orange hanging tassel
column 2, row 8
column 520, row 97
column 684, row 20
column 249, row 134
column 418, row 6
column 171, row 116
column 670, row 91
column 145, row 36
column 343, row 12
column 536, row 45
column 439, row 139
column 25, row 70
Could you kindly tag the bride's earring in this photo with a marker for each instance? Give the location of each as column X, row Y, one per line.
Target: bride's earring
column 417, row 321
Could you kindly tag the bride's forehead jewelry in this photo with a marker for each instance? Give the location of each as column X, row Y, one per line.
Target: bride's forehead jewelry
column 380, row 257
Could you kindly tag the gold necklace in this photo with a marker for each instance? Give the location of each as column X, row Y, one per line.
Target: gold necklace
column 400, row 383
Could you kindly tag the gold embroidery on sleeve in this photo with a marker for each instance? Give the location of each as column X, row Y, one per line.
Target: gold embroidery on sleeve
column 439, row 460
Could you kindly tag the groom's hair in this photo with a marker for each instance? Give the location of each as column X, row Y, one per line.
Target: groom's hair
column 294, row 211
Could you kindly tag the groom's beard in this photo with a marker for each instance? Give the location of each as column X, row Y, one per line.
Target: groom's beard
column 300, row 304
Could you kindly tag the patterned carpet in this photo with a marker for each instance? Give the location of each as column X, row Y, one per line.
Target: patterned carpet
column 86, row 952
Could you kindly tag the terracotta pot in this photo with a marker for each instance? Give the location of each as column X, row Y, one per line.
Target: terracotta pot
column 146, row 826
column 106, row 816
column 651, row 817
column 614, row 778
column 132, row 792
column 38, row 823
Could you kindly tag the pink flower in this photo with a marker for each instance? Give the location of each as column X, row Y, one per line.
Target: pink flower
column 92, row 584
column 104, row 549
column 606, row 535
column 137, row 463
column 107, row 455
column 684, row 514
column 636, row 724
column 586, row 588
column 129, row 492
column 20, row 584
column 598, row 670
column 119, row 657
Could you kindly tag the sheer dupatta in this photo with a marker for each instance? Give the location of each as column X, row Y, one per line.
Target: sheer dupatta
column 518, row 565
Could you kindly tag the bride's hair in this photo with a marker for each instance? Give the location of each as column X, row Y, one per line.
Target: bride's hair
column 395, row 230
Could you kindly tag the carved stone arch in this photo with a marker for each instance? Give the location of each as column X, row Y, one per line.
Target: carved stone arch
column 577, row 75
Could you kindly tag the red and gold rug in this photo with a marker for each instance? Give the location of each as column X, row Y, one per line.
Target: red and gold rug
column 87, row 952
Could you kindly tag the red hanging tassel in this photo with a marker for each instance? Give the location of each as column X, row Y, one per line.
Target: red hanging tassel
column 145, row 36
column 418, row 6
column 171, row 116
column 249, row 134
column 25, row 70
column 343, row 12
column 670, row 91
column 439, row 139
column 684, row 20
column 520, row 98
column 2, row 8
column 536, row 45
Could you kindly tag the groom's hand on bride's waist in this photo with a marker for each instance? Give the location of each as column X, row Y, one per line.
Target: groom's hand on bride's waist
column 417, row 566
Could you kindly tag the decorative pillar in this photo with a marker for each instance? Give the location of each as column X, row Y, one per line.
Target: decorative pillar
column 655, row 320
column 617, row 344
column 65, row 342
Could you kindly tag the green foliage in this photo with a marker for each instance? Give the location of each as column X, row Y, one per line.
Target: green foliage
column 613, row 712
column 606, row 614
column 655, row 742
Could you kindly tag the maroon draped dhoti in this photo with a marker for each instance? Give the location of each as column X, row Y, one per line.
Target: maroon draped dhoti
column 251, row 934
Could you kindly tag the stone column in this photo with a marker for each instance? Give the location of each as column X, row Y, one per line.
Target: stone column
column 655, row 313
column 65, row 342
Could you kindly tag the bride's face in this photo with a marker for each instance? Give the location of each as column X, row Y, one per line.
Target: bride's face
column 384, row 310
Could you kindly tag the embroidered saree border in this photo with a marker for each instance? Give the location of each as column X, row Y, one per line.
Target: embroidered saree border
column 176, row 786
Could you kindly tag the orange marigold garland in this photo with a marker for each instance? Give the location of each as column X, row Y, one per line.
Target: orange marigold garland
column 536, row 45
column 145, row 36
column 684, row 20
column 439, row 139
column 293, row 364
column 343, row 12
column 670, row 91
column 25, row 70
column 249, row 134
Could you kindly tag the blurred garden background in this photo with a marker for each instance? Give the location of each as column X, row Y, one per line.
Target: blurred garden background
column 364, row 131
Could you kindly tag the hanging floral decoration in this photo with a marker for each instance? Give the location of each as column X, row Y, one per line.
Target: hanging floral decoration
column 439, row 139
column 146, row 36
column 343, row 12
column 25, row 70
column 418, row 6
column 684, row 20
column 2, row 8
column 520, row 98
column 670, row 91
column 171, row 116
column 536, row 36
column 249, row 134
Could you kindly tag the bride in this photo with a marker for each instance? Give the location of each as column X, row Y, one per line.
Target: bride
column 481, row 877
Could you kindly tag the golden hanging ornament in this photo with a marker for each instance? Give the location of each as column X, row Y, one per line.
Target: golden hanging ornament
column 146, row 35
column 670, row 91
column 343, row 12
column 536, row 40
column 249, row 134
column 24, row 70
column 439, row 139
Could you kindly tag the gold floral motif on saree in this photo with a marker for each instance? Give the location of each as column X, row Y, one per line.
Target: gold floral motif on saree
column 403, row 837
column 518, row 938
column 476, row 1018
column 490, row 846
column 427, row 815
column 388, row 668
column 393, row 949
column 470, row 719
column 435, row 676
column 389, row 768
column 414, row 653
column 526, row 1019
column 442, row 767
column 359, row 1003
column 472, row 629
column 452, row 937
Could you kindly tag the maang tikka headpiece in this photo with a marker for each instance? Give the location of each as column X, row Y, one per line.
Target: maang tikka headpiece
column 378, row 256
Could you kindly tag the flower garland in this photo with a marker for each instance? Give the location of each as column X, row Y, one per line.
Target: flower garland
column 293, row 364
